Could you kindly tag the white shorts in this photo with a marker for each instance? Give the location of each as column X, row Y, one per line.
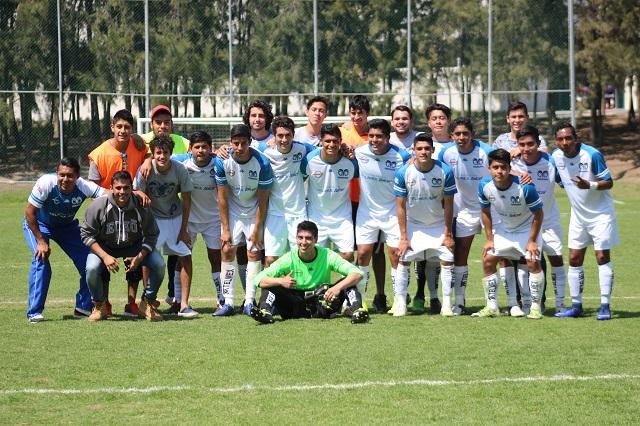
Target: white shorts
column 368, row 229
column 467, row 223
column 241, row 231
column 552, row 240
column 340, row 233
column 603, row 234
column 210, row 233
column 280, row 234
column 426, row 243
column 167, row 239
column 512, row 245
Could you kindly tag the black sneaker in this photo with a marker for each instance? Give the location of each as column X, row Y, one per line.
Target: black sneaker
column 380, row 303
column 435, row 306
column 360, row 316
column 261, row 315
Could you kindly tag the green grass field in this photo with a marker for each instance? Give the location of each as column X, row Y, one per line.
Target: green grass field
column 412, row 370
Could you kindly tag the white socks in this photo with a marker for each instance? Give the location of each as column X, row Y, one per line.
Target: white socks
column 432, row 271
column 228, row 273
column 362, row 284
column 536, row 284
column 508, row 278
column 559, row 280
column 490, row 285
column 523, row 281
column 446, row 275
column 460, row 275
column 253, row 269
column 177, row 287
column 576, row 283
column 401, row 286
column 605, row 274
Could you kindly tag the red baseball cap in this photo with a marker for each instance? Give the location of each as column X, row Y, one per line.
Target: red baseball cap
column 160, row 108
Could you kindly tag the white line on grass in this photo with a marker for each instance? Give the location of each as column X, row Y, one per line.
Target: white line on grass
column 323, row 386
column 619, row 202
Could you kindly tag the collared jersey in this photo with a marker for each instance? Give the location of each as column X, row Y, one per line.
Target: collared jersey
column 377, row 173
column 468, row 169
column 309, row 275
column 589, row 164
column 54, row 206
column 244, row 180
column 514, row 205
column 287, row 192
column 163, row 189
column 542, row 173
column 425, row 191
column 504, row 141
column 328, row 187
column 204, row 197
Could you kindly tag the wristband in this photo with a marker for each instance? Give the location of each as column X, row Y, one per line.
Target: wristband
column 593, row 185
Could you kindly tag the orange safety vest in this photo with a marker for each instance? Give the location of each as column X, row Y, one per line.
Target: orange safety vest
column 352, row 138
column 109, row 161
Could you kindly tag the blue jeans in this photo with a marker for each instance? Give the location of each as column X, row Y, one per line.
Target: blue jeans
column 68, row 238
column 153, row 261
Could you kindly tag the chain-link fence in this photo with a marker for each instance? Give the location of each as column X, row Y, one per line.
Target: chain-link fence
column 210, row 58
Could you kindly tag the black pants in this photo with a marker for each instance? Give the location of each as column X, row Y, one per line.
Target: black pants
column 292, row 303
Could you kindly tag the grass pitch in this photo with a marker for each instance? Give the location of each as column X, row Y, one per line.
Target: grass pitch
column 417, row 369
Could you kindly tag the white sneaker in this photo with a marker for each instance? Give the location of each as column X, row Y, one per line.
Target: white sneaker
column 516, row 311
column 400, row 306
column 188, row 312
column 36, row 318
column 446, row 311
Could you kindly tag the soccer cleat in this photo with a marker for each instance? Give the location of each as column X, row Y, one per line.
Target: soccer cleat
column 459, row 310
column 108, row 311
column 434, row 306
column 446, row 311
column 247, row 306
column 36, row 318
column 263, row 316
column 486, row 312
column 560, row 309
column 188, row 312
column 224, row 310
column 604, row 313
column 360, row 316
column 574, row 311
column 380, row 303
column 535, row 313
column 400, row 307
column 131, row 310
column 99, row 311
column 516, row 311
column 418, row 305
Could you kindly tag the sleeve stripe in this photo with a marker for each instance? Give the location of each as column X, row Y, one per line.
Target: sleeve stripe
column 535, row 203
column 148, row 247
column 399, row 189
column 603, row 173
column 265, row 182
column 450, row 188
column 36, row 199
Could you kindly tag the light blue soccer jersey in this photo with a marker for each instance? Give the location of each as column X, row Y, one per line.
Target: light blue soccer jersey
column 54, row 206
column 425, row 191
column 287, row 192
column 514, row 205
column 377, row 173
column 468, row 169
column 504, row 141
column 589, row 164
column 255, row 143
column 204, row 196
column 542, row 173
column 328, row 187
column 244, row 180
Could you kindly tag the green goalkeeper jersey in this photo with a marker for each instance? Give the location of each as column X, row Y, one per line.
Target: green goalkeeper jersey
column 309, row 275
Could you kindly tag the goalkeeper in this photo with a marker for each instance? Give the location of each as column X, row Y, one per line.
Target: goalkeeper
column 296, row 284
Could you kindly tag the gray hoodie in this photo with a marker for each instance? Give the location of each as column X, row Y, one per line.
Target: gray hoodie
column 120, row 232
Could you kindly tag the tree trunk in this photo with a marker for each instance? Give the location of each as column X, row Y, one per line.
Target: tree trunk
column 596, row 115
column 95, row 118
column 25, row 141
column 197, row 106
column 106, row 120
column 535, row 100
column 127, row 103
column 631, row 118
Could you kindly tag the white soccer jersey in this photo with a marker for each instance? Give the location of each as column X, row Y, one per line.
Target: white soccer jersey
column 589, row 164
column 543, row 174
column 468, row 169
column 287, row 192
column 377, row 173
column 514, row 205
column 244, row 180
column 406, row 142
column 425, row 191
column 504, row 141
column 304, row 136
column 204, row 197
column 437, row 147
column 255, row 143
column 328, row 187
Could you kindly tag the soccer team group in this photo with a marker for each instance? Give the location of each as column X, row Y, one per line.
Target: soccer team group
column 285, row 209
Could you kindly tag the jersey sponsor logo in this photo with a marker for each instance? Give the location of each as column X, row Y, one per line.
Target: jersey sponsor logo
column 411, row 182
column 515, row 200
column 56, row 201
column 453, row 162
column 232, row 173
column 560, row 165
column 543, row 174
column 363, row 159
column 317, row 174
column 491, row 198
column 253, row 174
column 478, row 162
column 583, row 167
column 297, row 157
column 390, row 165
column 212, row 173
column 343, row 173
column 436, row 181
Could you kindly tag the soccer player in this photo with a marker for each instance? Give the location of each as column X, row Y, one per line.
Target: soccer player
column 515, row 235
column 378, row 162
column 438, row 119
column 316, row 112
column 286, row 201
column 121, row 152
column 244, row 181
column 298, row 284
column 517, row 118
column 329, row 174
column 424, row 199
column 583, row 173
column 402, row 124
column 117, row 225
column 538, row 166
column 167, row 179
column 204, row 217
column 258, row 117
column 468, row 158
column 50, row 215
